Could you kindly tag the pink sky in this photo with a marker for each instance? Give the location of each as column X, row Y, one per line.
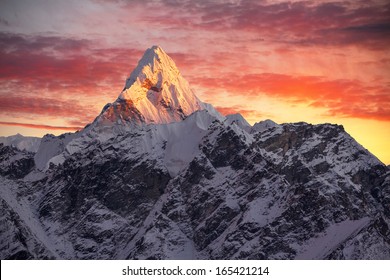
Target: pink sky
column 313, row 61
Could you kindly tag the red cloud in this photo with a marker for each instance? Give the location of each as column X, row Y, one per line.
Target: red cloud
column 51, row 76
column 72, row 112
column 40, row 126
column 76, row 66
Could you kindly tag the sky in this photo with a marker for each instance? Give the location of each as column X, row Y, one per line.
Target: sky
column 314, row 61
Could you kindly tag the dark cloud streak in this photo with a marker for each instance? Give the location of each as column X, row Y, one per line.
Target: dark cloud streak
column 41, row 126
column 42, row 106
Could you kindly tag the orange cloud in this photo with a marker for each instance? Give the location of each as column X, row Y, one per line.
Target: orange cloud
column 248, row 114
column 234, row 110
column 342, row 98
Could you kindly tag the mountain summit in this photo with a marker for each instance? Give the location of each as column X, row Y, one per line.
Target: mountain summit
column 155, row 92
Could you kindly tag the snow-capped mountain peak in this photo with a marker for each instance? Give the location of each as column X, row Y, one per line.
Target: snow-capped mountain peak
column 155, row 92
column 239, row 120
column 153, row 60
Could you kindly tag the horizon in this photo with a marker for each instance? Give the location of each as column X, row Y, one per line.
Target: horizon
column 288, row 61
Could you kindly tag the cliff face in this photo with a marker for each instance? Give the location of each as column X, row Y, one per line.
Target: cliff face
column 290, row 191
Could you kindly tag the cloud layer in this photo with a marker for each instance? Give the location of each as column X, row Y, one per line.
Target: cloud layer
column 331, row 55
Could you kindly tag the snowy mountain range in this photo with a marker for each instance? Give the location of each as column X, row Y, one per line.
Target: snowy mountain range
column 30, row 144
column 161, row 175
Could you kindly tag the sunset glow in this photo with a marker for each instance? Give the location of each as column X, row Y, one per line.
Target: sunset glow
column 314, row 61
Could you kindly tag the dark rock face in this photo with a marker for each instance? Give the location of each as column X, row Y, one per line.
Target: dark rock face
column 14, row 163
column 290, row 191
column 225, row 149
column 101, row 203
column 17, row 240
